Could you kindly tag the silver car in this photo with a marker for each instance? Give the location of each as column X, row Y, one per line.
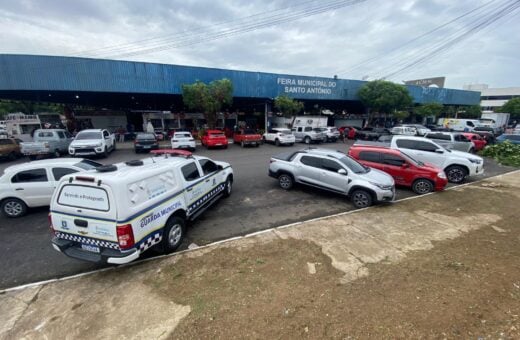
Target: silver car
column 333, row 171
column 308, row 134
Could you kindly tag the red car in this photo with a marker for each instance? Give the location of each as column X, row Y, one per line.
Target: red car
column 214, row 138
column 479, row 142
column 422, row 178
column 348, row 131
column 247, row 137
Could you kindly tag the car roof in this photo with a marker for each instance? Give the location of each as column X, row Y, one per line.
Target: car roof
column 91, row 130
column 323, row 152
column 43, row 162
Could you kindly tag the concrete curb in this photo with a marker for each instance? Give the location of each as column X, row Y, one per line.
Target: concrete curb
column 213, row 244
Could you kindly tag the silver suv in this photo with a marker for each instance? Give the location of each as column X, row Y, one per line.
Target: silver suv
column 308, row 134
column 333, row 171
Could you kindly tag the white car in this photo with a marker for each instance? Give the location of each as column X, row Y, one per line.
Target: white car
column 93, row 142
column 279, row 136
column 403, row 130
column 183, row 140
column 32, row 184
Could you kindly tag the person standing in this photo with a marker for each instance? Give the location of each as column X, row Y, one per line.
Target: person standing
column 121, row 133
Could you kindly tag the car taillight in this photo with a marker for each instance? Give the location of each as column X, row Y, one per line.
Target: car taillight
column 125, row 236
column 51, row 227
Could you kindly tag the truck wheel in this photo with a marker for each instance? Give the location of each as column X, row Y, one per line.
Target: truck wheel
column 286, row 181
column 361, row 199
column 56, row 153
column 228, row 187
column 422, row 186
column 105, row 153
column 13, row 207
column 456, row 174
column 173, row 234
column 277, row 142
column 114, row 146
column 307, row 140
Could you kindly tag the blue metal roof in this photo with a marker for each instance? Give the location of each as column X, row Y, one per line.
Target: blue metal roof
column 51, row 73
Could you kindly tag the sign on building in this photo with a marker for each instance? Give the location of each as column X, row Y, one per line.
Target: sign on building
column 439, row 81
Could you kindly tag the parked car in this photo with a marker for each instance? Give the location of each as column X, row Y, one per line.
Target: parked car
column 145, row 141
column 214, row 138
column 477, row 140
column 406, row 171
column 333, row 171
column 47, row 142
column 489, row 137
column 370, row 133
column 247, row 137
column 127, row 208
column 331, row 133
column 457, row 165
column 93, row 142
column 279, row 136
column 420, row 129
column 515, row 139
column 183, row 140
column 452, row 141
column 403, row 130
column 32, row 184
column 307, row 134
column 9, row 148
column 485, row 129
column 348, row 132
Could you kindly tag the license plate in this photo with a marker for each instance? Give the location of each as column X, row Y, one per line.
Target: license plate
column 218, row 144
column 185, row 146
column 91, row 248
column 146, row 147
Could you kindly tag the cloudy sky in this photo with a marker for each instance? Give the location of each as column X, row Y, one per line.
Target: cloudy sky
column 356, row 39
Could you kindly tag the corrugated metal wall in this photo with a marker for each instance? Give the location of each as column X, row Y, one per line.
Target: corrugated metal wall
column 46, row 73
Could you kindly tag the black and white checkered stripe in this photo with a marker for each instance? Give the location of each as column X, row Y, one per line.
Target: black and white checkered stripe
column 150, row 241
column 201, row 201
column 88, row 240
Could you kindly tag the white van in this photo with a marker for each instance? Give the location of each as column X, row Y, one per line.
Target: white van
column 456, row 124
column 117, row 212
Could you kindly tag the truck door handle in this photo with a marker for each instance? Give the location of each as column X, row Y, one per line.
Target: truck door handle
column 18, row 189
column 81, row 223
column 190, row 189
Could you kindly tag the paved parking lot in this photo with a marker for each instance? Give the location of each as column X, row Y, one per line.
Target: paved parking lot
column 257, row 203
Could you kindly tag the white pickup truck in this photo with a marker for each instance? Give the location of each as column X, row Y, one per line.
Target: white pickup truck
column 117, row 212
column 93, row 142
column 457, row 165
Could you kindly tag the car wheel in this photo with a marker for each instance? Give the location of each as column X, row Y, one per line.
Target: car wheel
column 277, row 142
column 361, row 199
column 456, row 174
column 173, row 234
column 105, row 153
column 13, row 207
column 228, row 187
column 307, row 140
column 114, row 147
column 286, row 181
column 422, row 186
column 56, row 153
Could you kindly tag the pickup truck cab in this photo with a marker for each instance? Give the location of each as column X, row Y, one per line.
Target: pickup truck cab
column 279, row 136
column 457, row 165
column 114, row 214
column 47, row 142
column 452, row 140
column 423, row 178
column 332, row 171
column 247, row 137
column 93, row 142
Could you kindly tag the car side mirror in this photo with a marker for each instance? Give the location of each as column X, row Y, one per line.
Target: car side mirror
column 439, row 151
column 342, row 171
column 220, row 167
column 405, row 165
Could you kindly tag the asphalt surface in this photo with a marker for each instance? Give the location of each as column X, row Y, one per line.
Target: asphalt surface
column 256, row 203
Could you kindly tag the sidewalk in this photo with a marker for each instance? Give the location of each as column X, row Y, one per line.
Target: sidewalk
column 439, row 266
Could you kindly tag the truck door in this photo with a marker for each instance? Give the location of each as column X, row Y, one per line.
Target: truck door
column 309, row 170
column 195, row 187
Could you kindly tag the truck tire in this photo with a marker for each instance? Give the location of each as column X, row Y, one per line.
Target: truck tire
column 114, row 146
column 307, row 140
column 56, row 153
column 456, row 174
column 277, row 142
column 105, row 153
column 285, row 181
column 13, row 207
column 173, row 234
column 422, row 186
column 361, row 198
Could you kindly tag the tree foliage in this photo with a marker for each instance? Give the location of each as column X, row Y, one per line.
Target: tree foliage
column 512, row 106
column 429, row 109
column 401, row 115
column 288, row 106
column 28, row 107
column 384, row 96
column 208, row 98
column 473, row 111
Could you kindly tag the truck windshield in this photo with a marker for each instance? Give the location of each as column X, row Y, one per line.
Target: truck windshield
column 88, row 135
column 354, row 165
column 87, row 164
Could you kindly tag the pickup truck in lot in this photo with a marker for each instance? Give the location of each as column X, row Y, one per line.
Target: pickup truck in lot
column 47, row 142
column 247, row 137
column 93, row 142
column 452, row 140
column 307, row 134
column 332, row 171
column 369, row 133
column 457, row 165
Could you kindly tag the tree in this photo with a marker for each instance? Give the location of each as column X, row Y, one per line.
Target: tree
column 429, row 109
column 512, row 106
column 384, row 97
column 401, row 115
column 28, row 107
column 209, row 99
column 287, row 106
column 473, row 111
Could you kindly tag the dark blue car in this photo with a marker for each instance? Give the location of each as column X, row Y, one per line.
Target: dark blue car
column 515, row 139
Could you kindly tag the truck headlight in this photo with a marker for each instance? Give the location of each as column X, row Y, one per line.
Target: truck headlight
column 441, row 175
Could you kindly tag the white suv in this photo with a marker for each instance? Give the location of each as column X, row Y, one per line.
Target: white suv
column 279, row 136
column 93, row 142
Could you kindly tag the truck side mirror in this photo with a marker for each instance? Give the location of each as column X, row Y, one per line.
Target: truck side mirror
column 439, row 151
column 342, row 171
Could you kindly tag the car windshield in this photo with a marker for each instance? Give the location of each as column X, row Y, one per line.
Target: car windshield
column 284, row 132
column 353, row 165
column 215, row 135
column 182, row 135
column 88, row 135
column 411, row 159
column 145, row 136
column 87, row 164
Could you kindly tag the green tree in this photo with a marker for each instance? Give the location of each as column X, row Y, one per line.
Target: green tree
column 208, row 98
column 401, row 115
column 512, row 106
column 287, row 106
column 28, row 107
column 429, row 109
column 473, row 111
column 384, row 96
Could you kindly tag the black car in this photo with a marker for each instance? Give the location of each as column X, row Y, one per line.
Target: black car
column 144, row 142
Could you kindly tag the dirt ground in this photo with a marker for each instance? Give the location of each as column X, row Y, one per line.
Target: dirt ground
column 468, row 287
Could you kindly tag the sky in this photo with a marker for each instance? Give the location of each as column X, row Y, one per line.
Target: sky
column 369, row 39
